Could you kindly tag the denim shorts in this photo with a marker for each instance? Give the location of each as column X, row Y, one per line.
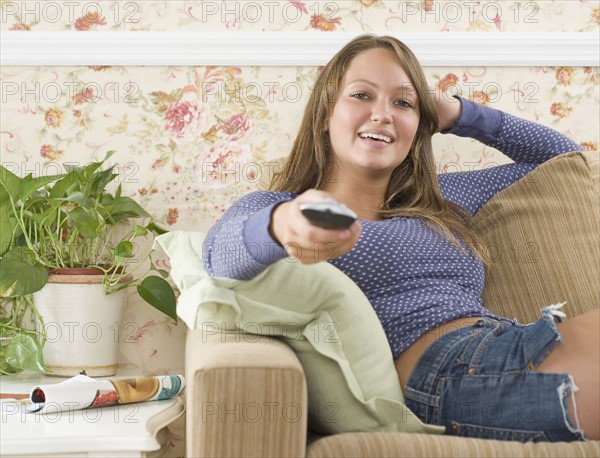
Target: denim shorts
column 480, row 381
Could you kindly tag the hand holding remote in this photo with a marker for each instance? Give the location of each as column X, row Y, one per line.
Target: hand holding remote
column 328, row 214
column 331, row 231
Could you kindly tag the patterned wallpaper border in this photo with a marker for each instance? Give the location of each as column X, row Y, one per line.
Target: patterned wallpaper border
column 292, row 48
column 301, row 15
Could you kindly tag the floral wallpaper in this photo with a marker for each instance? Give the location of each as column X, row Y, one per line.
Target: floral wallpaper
column 278, row 15
column 191, row 140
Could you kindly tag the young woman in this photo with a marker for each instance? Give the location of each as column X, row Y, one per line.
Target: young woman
column 365, row 141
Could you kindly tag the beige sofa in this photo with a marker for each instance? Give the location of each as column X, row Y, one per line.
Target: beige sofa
column 247, row 397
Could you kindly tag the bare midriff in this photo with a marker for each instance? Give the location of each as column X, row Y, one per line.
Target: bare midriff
column 409, row 357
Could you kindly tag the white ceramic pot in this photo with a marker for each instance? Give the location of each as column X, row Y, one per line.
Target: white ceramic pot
column 82, row 325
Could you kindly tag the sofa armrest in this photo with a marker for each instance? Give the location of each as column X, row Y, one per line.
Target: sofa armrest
column 246, row 397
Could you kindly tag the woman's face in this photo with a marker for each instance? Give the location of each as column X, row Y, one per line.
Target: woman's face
column 376, row 115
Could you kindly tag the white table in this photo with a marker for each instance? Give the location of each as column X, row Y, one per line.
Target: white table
column 128, row 430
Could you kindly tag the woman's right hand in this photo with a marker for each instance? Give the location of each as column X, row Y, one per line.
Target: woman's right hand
column 305, row 242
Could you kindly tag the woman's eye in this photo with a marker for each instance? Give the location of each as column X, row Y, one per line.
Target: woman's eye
column 404, row 103
column 359, row 95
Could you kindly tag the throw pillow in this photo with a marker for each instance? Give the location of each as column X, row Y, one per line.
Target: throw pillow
column 542, row 233
column 322, row 314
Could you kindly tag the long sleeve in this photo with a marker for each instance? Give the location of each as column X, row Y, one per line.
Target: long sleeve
column 525, row 142
column 239, row 245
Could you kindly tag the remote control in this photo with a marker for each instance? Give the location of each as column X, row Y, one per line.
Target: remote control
column 328, row 214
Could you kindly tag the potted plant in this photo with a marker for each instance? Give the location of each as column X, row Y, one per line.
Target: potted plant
column 60, row 224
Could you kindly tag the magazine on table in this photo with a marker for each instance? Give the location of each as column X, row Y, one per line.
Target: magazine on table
column 83, row 392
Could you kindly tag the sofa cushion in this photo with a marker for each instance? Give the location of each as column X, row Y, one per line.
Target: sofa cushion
column 322, row 314
column 542, row 233
column 383, row 445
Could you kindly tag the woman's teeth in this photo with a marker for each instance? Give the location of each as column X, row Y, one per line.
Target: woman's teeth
column 383, row 138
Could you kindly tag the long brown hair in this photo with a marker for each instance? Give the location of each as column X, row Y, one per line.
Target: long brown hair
column 413, row 189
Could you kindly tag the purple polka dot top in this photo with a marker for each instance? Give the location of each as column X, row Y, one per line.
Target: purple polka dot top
column 415, row 279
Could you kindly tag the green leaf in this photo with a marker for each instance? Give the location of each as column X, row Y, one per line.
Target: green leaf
column 20, row 253
column 9, row 186
column 25, row 352
column 125, row 207
column 70, row 168
column 79, row 198
column 124, row 249
column 9, row 231
column 108, row 155
column 101, row 180
column 163, row 273
column 156, row 229
column 69, row 181
column 98, row 179
column 138, row 230
column 158, row 293
column 87, row 221
column 30, row 185
column 19, row 278
column 22, row 188
column 90, row 169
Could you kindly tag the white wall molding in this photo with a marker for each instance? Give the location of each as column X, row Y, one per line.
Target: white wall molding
column 290, row 49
